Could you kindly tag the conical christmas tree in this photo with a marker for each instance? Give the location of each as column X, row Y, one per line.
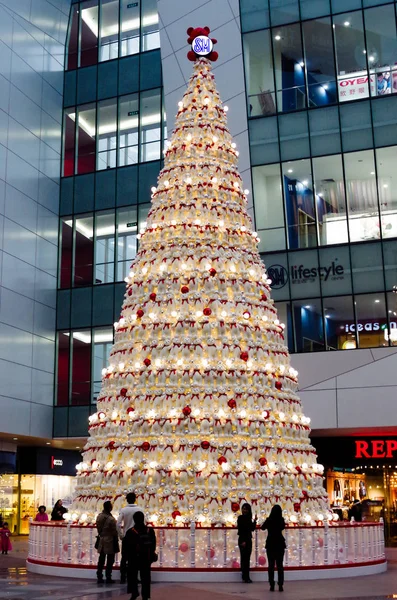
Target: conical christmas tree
column 198, row 410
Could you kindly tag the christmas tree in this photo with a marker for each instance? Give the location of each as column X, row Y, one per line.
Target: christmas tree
column 198, row 410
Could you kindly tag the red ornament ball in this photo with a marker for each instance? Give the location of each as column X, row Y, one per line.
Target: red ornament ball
column 186, row 411
column 130, row 409
column 207, row 311
column 244, row 356
column 265, row 414
column 222, row 460
column 147, row 362
column 212, row 552
column 235, row 507
column 111, row 445
column 184, row 289
column 232, row 403
column 145, row 446
column 123, row 392
column 212, row 272
column 152, row 296
column 262, row 461
column 261, row 560
column 205, row 445
column 140, row 313
column 184, row 547
column 297, row 506
column 130, row 292
column 175, row 514
column 263, row 297
column 279, row 385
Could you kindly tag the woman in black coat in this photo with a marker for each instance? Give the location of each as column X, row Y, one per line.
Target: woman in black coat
column 275, row 545
column 245, row 526
column 58, row 511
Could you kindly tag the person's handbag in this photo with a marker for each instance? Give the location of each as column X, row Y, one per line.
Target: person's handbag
column 98, row 537
column 154, row 557
column 116, row 546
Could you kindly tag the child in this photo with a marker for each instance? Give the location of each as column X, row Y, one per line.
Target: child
column 5, row 541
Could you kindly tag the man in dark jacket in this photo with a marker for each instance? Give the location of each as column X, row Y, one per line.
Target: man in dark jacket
column 140, row 546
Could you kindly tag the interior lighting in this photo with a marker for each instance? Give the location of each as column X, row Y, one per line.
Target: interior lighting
column 346, row 23
column 277, row 37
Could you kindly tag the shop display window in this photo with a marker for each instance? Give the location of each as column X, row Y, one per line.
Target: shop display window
column 9, row 500
column 330, row 200
column 340, row 326
column 392, row 317
column 371, row 319
column 308, row 325
column 387, row 190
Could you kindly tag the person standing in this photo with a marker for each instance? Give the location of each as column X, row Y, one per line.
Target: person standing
column 41, row 516
column 124, row 522
column 275, row 545
column 140, row 546
column 58, row 511
column 245, row 526
column 5, row 541
column 108, row 545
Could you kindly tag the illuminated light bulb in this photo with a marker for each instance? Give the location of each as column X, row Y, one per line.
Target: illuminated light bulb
column 197, row 222
column 271, row 466
column 154, row 518
column 208, row 266
column 131, row 274
column 225, row 467
column 252, row 272
column 180, row 104
column 199, row 313
column 214, row 139
column 264, row 318
column 282, row 325
column 137, row 365
column 104, row 371
column 307, row 518
column 189, row 137
column 201, row 465
column 295, row 417
column 290, row 465
column 221, row 413
column 268, row 367
column 177, row 464
column 184, row 266
column 243, row 228
column 196, row 412
column 221, row 223
column 225, row 108
column 205, row 362
column 228, row 362
column 269, row 281
column 152, row 315
column 173, row 222
column 174, row 314
column 249, row 363
column 115, row 324
column 246, row 192
column 134, row 317
column 236, row 185
column 276, row 322
column 248, row 464
column 173, row 412
column 246, row 315
column 151, row 414
column 282, row 368
column 95, row 465
column 144, row 270
column 243, row 413
column 121, row 366
column 188, row 180
column 153, row 189
column 223, row 313
column 254, row 234
column 206, row 100
column 126, row 279
column 178, row 519
column 162, row 267
column 138, row 237
column 293, row 519
column 109, row 465
column 214, row 180
column 102, row 416
column 114, row 414
column 304, row 465
column 281, row 416
column 232, row 268
column 320, row 517
column 237, row 153
column 179, row 362
column 166, row 183
column 157, row 362
column 234, row 145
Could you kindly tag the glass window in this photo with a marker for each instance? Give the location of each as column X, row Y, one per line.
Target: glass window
column 130, row 24
column 284, row 11
column 335, row 271
column 367, row 267
column 304, row 273
column 314, row 8
column 107, row 134
column 72, row 41
column 150, row 25
column 63, row 368
column 340, row 326
column 150, row 121
column 269, row 212
column 392, row 317
column 128, row 129
column 254, row 14
column 308, row 326
column 299, row 204
column 127, row 230
column 89, row 33
column 324, row 131
column 387, row 190
column 361, row 193
column 319, row 61
column 86, row 129
column 109, row 30
column 104, row 246
column 278, row 271
column 351, row 57
column 103, row 341
column 284, row 316
column 81, row 368
column 69, row 141
column 371, row 320
column 330, row 200
column 84, row 251
column 66, row 253
column 259, row 73
column 390, row 262
column 289, row 68
column 380, row 31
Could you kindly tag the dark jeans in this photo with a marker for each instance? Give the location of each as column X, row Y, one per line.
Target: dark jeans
column 123, row 561
column 275, row 557
column 109, row 558
column 132, row 578
column 245, row 554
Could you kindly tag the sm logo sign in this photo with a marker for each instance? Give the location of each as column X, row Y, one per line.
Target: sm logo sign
column 279, row 276
column 202, row 45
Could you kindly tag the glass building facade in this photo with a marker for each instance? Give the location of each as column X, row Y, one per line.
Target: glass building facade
column 321, row 85
column 113, row 136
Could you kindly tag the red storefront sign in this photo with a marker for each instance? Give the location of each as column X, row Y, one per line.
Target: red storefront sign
column 375, row 448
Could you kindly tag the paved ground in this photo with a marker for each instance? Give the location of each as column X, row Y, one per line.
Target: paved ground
column 17, row 584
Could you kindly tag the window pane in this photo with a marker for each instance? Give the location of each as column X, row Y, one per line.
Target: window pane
column 392, row 312
column 130, row 23
column 269, row 212
column 284, row 316
column 308, row 326
column 150, row 25
column 367, row 267
column 259, row 73
column 340, row 327
column 69, row 145
column 109, row 31
column 150, row 121
column 65, row 275
column 127, row 230
column 351, row 56
column 86, row 138
column 362, row 201
column 335, row 270
column 390, row 261
column 81, row 368
column 319, row 57
column 283, row 12
column 371, row 320
column 304, row 274
column 103, row 341
column 330, row 200
column 89, row 33
column 104, row 247
column 299, row 204
column 63, row 366
column 289, row 68
column 254, row 14
column 72, row 42
column 380, row 29
column 128, row 129
column 107, row 134
column 387, row 189
column 278, row 271
column 84, row 251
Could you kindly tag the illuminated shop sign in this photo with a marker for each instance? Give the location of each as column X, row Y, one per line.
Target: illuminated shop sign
column 375, row 448
column 359, row 84
column 56, row 462
column 368, row 326
column 301, row 274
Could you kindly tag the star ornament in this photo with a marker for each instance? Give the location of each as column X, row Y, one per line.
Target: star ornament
column 201, row 44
